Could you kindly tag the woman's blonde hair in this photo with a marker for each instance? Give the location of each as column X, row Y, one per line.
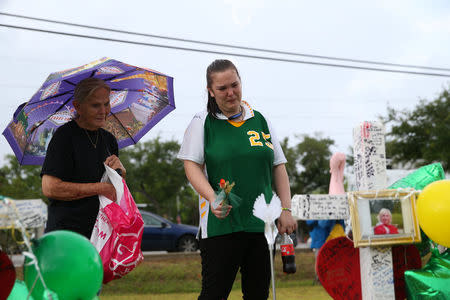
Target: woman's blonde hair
column 87, row 87
column 383, row 211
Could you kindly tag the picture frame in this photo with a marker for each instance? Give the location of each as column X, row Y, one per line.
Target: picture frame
column 384, row 217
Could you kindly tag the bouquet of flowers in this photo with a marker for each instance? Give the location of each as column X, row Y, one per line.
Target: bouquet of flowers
column 225, row 197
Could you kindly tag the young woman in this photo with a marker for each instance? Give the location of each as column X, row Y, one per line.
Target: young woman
column 231, row 141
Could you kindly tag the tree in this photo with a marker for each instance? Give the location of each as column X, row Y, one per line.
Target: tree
column 315, row 158
column 156, row 177
column 292, row 166
column 308, row 168
column 20, row 182
column 188, row 208
column 308, row 164
column 420, row 136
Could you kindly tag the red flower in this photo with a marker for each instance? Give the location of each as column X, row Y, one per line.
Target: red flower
column 222, row 183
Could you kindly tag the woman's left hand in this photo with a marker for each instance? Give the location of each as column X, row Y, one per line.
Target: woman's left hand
column 286, row 223
column 114, row 163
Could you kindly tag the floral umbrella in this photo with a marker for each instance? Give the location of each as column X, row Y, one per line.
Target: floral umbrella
column 139, row 99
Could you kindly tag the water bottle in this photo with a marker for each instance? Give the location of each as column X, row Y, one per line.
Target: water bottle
column 288, row 254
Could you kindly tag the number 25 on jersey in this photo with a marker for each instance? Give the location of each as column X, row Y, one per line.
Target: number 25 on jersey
column 255, row 139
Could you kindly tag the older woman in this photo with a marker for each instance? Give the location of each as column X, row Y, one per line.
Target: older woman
column 234, row 142
column 384, row 226
column 73, row 164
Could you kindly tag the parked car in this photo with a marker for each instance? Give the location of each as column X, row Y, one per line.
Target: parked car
column 162, row 235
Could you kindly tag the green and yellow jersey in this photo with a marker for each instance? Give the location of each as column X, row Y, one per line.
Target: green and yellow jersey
column 244, row 153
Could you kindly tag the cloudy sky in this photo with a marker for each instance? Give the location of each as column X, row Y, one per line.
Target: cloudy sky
column 297, row 98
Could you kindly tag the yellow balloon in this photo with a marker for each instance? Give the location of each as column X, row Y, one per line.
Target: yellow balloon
column 433, row 208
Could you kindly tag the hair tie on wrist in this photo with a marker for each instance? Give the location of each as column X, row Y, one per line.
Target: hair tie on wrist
column 285, row 208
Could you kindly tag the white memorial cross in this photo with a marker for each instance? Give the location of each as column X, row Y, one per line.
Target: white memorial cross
column 377, row 276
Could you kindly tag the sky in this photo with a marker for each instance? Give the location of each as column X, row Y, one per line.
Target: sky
column 298, row 99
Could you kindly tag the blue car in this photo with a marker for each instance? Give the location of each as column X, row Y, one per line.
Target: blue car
column 162, row 235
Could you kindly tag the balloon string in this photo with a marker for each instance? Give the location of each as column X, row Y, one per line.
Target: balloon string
column 32, row 287
column 33, row 261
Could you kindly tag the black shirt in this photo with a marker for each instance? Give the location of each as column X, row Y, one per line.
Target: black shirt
column 72, row 157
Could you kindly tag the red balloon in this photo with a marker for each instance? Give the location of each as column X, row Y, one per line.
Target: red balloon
column 404, row 257
column 7, row 275
column 338, row 268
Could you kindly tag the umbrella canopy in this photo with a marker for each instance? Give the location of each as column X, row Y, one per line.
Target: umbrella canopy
column 139, row 99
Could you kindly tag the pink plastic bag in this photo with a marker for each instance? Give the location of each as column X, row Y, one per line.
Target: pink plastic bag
column 117, row 233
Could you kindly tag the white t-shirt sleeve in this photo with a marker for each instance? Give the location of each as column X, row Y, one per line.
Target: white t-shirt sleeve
column 278, row 154
column 192, row 147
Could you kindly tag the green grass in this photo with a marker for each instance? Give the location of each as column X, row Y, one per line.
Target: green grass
column 177, row 276
column 316, row 292
column 181, row 273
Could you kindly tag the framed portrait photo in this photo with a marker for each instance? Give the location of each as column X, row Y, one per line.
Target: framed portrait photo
column 384, row 217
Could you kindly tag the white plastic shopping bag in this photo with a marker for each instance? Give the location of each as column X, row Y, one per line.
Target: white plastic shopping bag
column 117, row 233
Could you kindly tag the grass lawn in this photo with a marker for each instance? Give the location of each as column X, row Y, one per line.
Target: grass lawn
column 178, row 276
column 294, row 293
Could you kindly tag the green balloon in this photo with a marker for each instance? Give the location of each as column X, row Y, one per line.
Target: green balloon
column 418, row 180
column 70, row 265
column 432, row 281
column 19, row 291
column 421, row 177
column 49, row 295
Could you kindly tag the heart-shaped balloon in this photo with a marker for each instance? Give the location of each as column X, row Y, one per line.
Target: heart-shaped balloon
column 7, row 275
column 337, row 267
column 339, row 272
column 404, row 257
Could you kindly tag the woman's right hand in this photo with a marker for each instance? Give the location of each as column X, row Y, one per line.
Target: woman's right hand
column 107, row 190
column 221, row 211
column 195, row 175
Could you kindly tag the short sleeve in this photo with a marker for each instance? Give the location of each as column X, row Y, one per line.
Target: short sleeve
column 192, row 147
column 59, row 157
column 279, row 157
